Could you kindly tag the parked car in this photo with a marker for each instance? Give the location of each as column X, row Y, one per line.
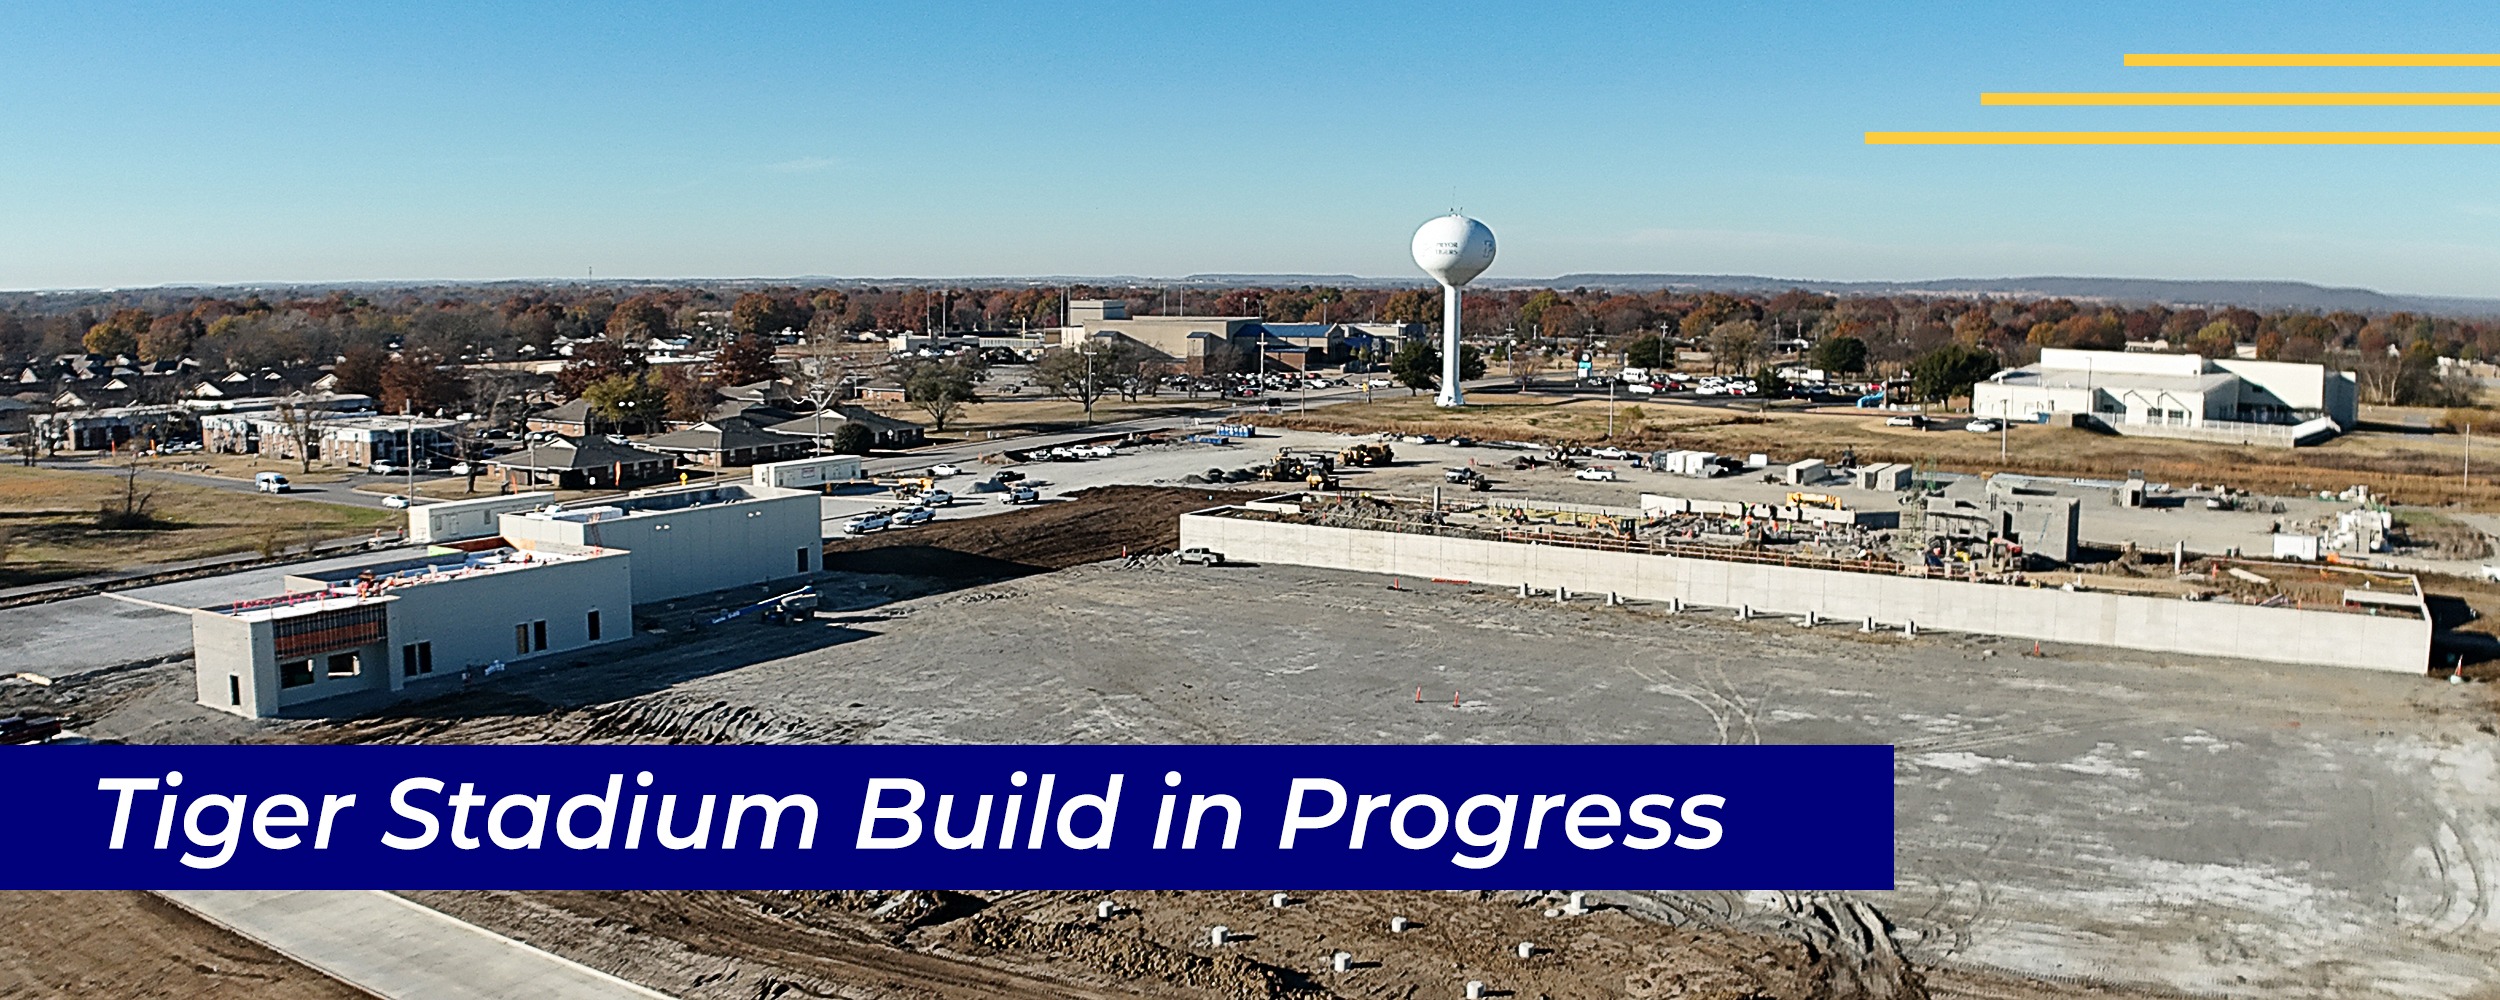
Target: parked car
column 1201, row 556
column 1595, row 475
column 1023, row 494
column 942, row 471
column 395, row 501
column 1905, row 420
column 1984, row 426
column 866, row 523
column 270, row 482
column 916, row 515
column 935, row 498
column 1611, row 451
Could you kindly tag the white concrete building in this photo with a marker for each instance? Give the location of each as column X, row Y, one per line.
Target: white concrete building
column 2177, row 395
column 406, row 627
column 687, row 540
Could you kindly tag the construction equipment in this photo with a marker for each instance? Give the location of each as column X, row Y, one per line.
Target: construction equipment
column 1320, row 480
column 1363, row 456
column 1824, row 500
column 1287, row 467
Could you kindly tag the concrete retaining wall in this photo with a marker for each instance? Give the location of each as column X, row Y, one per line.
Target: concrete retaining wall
column 2283, row 635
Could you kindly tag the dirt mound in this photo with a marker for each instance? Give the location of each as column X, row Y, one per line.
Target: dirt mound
column 1126, row 957
column 1087, row 526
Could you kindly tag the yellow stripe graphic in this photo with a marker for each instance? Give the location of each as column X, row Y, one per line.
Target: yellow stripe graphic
column 2182, row 138
column 2251, row 99
column 2314, row 59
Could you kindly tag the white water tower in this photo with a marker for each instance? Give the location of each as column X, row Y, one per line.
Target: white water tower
column 1453, row 249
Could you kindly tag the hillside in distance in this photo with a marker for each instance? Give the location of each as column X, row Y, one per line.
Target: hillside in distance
column 2259, row 295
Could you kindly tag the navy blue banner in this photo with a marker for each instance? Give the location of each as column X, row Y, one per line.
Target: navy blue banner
column 989, row 817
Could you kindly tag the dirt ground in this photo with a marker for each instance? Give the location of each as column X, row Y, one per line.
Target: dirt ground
column 1093, row 525
column 134, row 946
column 2414, row 468
column 2087, row 818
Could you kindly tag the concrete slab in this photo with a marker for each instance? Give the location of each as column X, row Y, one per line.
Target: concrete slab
column 392, row 947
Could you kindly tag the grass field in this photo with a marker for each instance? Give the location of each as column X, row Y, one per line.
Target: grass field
column 2412, row 467
column 1031, row 414
column 48, row 524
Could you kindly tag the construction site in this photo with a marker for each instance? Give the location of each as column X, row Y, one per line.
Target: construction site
column 2075, row 818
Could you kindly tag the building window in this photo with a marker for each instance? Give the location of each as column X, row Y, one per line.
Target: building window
column 802, row 559
column 343, row 664
column 234, row 690
column 594, row 624
column 416, row 658
column 538, row 634
column 521, row 639
column 295, row 673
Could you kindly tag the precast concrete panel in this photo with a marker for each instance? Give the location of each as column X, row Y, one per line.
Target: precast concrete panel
column 2285, row 635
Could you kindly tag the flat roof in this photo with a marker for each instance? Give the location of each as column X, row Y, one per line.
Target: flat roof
column 349, row 586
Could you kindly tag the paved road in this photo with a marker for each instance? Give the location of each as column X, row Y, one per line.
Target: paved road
column 338, row 493
column 395, row 948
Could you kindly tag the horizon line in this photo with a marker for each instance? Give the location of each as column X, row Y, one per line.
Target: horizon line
column 2238, row 98
column 2311, row 59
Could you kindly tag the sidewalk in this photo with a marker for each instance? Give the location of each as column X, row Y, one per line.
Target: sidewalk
column 394, row 948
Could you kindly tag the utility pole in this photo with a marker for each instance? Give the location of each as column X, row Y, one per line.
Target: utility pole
column 2469, row 454
column 1610, row 407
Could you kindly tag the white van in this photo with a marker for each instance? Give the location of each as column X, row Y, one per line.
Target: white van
column 270, row 482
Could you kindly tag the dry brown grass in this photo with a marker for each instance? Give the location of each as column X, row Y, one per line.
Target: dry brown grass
column 48, row 517
column 2417, row 468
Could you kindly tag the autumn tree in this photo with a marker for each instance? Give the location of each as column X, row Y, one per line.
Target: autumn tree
column 169, row 337
column 118, row 333
column 418, row 381
column 637, row 320
column 595, row 361
column 1735, row 345
column 762, row 314
column 745, row 360
column 2218, row 339
column 359, row 370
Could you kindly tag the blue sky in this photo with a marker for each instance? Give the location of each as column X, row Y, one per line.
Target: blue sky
column 236, row 142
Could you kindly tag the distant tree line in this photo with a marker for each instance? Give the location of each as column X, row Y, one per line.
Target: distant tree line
column 2395, row 354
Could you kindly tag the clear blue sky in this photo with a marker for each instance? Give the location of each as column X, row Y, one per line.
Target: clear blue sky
column 166, row 143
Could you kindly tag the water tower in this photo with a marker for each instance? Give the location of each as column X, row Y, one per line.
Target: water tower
column 1453, row 249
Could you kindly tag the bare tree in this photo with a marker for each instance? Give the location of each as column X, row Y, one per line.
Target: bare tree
column 1524, row 363
column 299, row 421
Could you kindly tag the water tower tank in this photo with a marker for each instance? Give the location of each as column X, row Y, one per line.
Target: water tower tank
column 1453, row 249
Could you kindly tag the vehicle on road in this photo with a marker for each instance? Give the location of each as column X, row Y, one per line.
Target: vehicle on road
column 1984, row 426
column 915, row 515
column 1610, row 451
column 1641, row 389
column 1595, row 475
column 1023, row 494
column 1905, row 420
column 270, row 482
column 462, row 468
column 866, row 523
column 384, row 469
column 1201, row 556
column 395, row 501
column 935, row 498
column 945, row 470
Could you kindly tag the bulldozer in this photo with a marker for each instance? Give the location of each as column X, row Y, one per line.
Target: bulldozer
column 1286, row 468
column 1365, row 456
